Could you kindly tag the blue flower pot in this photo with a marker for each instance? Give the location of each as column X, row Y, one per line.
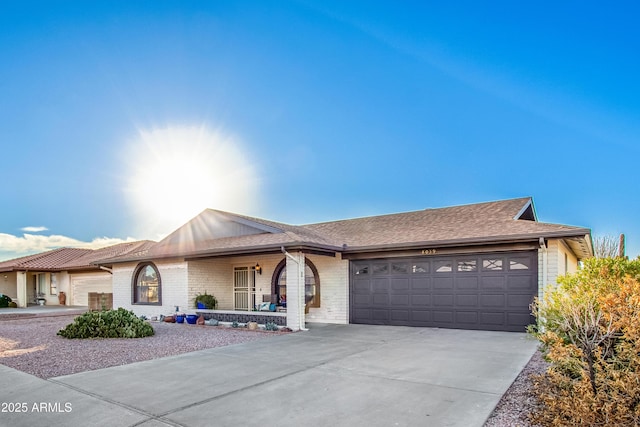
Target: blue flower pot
column 179, row 319
column 192, row 319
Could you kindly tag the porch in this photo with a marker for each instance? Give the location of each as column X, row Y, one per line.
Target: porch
column 243, row 284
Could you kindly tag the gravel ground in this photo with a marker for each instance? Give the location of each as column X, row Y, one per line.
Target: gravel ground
column 31, row 345
column 517, row 403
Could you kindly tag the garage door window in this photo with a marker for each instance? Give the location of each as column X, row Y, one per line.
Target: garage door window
column 381, row 268
column 519, row 264
column 361, row 269
column 492, row 264
column 147, row 288
column 399, row 268
column 467, row 265
column 443, row 266
column 420, row 267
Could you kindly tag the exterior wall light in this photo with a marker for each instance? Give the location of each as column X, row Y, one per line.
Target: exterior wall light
column 258, row 269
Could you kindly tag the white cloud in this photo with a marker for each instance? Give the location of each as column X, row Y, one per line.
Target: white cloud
column 28, row 244
column 32, row 229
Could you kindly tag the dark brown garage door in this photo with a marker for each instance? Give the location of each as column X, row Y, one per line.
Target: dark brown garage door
column 484, row 291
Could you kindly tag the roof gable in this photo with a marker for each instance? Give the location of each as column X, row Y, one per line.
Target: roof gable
column 527, row 212
column 211, row 225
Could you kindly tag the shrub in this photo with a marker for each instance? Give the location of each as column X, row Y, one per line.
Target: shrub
column 271, row 326
column 210, row 302
column 4, row 301
column 590, row 332
column 118, row 323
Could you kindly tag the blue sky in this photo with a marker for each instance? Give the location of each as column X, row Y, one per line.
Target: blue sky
column 122, row 120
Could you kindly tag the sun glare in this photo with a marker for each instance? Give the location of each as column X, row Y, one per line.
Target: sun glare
column 176, row 172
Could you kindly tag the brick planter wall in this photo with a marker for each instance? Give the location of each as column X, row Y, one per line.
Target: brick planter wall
column 244, row 317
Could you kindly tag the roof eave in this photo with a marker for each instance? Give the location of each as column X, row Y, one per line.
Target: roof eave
column 521, row 238
column 245, row 250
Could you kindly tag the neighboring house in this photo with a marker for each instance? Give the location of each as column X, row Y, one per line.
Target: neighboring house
column 69, row 270
column 471, row 267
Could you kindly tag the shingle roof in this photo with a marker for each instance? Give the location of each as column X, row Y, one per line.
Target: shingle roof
column 69, row 259
column 491, row 222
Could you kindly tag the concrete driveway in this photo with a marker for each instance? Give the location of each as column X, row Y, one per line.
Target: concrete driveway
column 342, row 375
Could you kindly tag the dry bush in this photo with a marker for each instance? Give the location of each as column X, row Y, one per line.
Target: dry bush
column 590, row 332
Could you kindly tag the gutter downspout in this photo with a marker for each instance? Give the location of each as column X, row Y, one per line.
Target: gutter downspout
column 301, row 318
column 545, row 278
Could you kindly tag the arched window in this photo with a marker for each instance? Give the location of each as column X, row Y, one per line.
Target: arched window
column 311, row 283
column 147, row 286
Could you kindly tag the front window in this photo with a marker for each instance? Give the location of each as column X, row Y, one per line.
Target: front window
column 147, row 285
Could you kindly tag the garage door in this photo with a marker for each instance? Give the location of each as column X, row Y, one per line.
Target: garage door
column 81, row 286
column 484, row 291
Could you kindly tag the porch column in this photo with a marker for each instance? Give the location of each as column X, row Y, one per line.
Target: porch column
column 295, row 291
column 21, row 288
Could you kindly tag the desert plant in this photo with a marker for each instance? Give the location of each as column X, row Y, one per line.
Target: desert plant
column 590, row 332
column 118, row 323
column 210, row 302
column 271, row 326
column 235, row 324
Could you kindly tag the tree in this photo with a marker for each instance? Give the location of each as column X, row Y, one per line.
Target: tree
column 606, row 246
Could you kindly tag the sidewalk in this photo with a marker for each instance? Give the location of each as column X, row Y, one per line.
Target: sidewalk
column 41, row 311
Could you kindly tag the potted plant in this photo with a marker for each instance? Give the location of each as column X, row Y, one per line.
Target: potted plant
column 206, row 301
column 41, row 299
column 180, row 317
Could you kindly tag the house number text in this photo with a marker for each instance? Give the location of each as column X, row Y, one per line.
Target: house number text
column 428, row 252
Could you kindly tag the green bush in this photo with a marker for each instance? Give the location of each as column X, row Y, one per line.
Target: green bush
column 118, row 323
column 589, row 327
column 271, row 326
column 210, row 302
column 4, row 301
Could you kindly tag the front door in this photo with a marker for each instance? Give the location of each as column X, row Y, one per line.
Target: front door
column 244, row 288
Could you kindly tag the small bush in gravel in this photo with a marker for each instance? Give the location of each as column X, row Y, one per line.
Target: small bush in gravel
column 271, row 326
column 118, row 323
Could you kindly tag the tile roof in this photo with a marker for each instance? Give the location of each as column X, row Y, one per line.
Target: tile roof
column 216, row 232
column 44, row 261
column 69, row 259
